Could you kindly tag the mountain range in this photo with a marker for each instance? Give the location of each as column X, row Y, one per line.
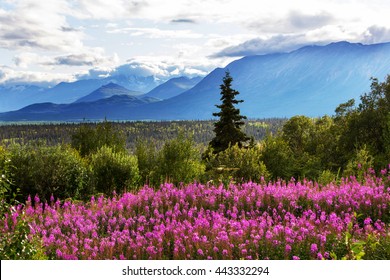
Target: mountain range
column 310, row 81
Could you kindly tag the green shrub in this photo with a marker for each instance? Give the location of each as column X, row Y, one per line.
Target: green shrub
column 361, row 162
column 113, row 171
column 148, row 157
column 5, row 182
column 179, row 161
column 18, row 244
column 57, row 170
column 15, row 244
column 326, row 177
column 278, row 157
column 237, row 163
column 89, row 138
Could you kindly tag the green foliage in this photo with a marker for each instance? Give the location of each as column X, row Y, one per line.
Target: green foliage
column 278, row 157
column 377, row 248
column 297, row 133
column 88, row 139
column 46, row 171
column 179, row 161
column 228, row 128
column 147, row 156
column 326, row 177
column 113, row 171
column 367, row 124
column 240, row 164
column 15, row 245
column 18, row 244
column 5, row 180
column 156, row 132
column 386, row 137
column 359, row 164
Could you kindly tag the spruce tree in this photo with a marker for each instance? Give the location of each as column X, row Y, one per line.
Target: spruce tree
column 227, row 128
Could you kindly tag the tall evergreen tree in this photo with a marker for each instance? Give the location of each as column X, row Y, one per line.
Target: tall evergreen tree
column 227, row 128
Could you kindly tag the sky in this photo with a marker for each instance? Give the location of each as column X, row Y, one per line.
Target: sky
column 44, row 42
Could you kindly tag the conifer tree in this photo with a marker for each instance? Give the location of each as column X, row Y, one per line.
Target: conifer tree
column 228, row 128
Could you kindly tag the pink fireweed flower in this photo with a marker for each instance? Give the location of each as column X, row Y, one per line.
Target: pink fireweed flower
column 313, row 248
column 367, row 221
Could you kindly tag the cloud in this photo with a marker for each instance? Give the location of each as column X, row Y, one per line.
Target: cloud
column 320, row 36
column 156, row 33
column 376, row 34
column 83, row 59
column 25, row 59
column 183, row 20
column 95, row 57
column 9, row 76
column 277, row 43
column 161, row 69
column 38, row 25
column 113, row 9
column 301, row 21
column 293, row 21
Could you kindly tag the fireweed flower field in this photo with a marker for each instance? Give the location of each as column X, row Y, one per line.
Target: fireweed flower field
column 280, row 220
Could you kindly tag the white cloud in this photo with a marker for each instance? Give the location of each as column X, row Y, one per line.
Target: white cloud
column 108, row 10
column 277, row 43
column 38, row 25
column 156, row 33
column 162, row 68
column 10, row 76
column 376, row 34
column 84, row 59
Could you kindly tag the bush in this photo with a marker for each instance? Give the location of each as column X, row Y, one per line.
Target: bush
column 88, row 138
column 242, row 164
column 147, row 157
column 113, row 171
column 16, row 244
column 5, row 182
column 46, row 171
column 278, row 157
column 179, row 161
column 360, row 163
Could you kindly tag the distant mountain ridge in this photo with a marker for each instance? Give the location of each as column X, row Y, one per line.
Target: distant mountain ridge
column 173, row 87
column 311, row 81
column 107, row 91
column 79, row 110
column 68, row 92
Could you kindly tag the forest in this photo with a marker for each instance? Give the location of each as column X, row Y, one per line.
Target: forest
column 281, row 165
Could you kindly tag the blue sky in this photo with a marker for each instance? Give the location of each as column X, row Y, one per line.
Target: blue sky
column 45, row 42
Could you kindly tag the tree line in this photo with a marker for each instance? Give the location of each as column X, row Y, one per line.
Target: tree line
column 52, row 134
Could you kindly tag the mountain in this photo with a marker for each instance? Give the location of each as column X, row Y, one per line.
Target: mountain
column 68, row 92
column 95, row 110
column 311, row 81
column 173, row 87
column 108, row 91
column 16, row 97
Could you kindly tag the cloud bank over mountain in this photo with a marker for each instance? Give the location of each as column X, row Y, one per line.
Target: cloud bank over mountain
column 45, row 42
